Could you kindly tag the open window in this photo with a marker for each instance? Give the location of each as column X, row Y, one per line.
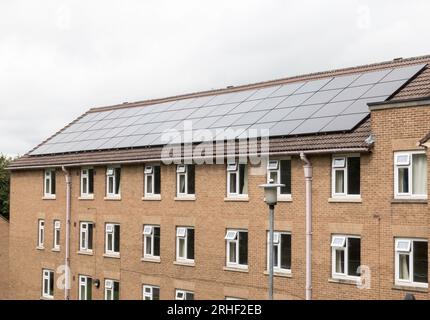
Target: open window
column 112, row 239
column 185, row 244
column 237, row 248
column 346, row 176
column 237, row 180
column 410, row 175
column 113, row 182
column 279, row 171
column 281, row 251
column 346, row 256
column 151, row 242
column 152, row 181
column 50, row 183
column 87, row 182
column 411, row 262
column 185, row 180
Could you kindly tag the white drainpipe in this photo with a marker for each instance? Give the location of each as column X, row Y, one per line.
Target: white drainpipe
column 308, row 177
column 68, row 212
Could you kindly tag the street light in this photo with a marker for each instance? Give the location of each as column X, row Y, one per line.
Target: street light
column 271, row 198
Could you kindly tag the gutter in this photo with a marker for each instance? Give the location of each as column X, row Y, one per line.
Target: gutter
column 68, row 213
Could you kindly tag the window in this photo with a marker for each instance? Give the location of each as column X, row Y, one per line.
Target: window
column 184, row 295
column 40, row 233
column 237, row 248
column 87, row 182
column 57, row 226
column 237, row 177
column 346, row 255
column 50, row 183
column 185, row 176
column 152, row 180
column 111, row 289
column 411, row 262
column 281, row 251
column 85, row 288
column 151, row 241
column 410, row 175
column 346, row 176
column 113, row 176
column 233, row 298
column 112, row 239
column 47, row 284
column 279, row 171
column 185, row 244
column 151, row 293
column 86, row 237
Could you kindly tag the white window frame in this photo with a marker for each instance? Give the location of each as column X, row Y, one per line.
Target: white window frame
column 181, row 235
column 272, row 168
column 182, row 294
column 84, row 235
column 148, row 291
column 46, row 275
column 149, row 172
column 234, row 240
column 148, row 232
column 110, row 230
column 47, row 184
column 410, row 252
column 277, row 241
column 234, row 167
column 397, row 166
column 40, row 233
column 182, row 170
column 57, row 234
column 85, row 181
column 111, row 174
column 83, row 282
column 110, row 286
column 339, row 167
column 343, row 247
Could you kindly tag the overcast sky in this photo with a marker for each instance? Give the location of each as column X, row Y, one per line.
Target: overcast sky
column 60, row 58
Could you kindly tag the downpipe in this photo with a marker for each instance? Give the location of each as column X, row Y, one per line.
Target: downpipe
column 68, row 213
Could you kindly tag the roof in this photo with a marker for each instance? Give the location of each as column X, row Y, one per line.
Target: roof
column 416, row 87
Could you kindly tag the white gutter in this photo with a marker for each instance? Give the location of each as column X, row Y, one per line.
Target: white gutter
column 68, row 213
column 308, row 178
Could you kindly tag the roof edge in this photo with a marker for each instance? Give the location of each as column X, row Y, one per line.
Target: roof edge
column 404, row 103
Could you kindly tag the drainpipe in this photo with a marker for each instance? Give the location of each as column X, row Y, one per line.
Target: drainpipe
column 68, row 212
column 308, row 178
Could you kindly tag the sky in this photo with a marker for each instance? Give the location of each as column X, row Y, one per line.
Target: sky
column 59, row 58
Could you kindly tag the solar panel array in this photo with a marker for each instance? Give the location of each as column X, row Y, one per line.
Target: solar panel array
column 315, row 106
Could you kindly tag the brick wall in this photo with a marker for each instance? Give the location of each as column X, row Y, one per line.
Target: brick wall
column 4, row 258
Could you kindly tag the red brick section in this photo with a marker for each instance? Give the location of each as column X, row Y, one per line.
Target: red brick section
column 4, row 258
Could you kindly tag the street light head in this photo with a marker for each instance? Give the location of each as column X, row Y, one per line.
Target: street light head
column 271, row 192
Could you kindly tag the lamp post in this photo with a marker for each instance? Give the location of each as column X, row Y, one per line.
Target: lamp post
column 271, row 198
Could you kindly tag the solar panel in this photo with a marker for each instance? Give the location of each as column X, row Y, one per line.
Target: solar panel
column 322, row 96
column 313, row 86
column 287, row 89
column 333, row 108
column 312, row 125
column 340, row 82
column 344, row 122
column 284, row 128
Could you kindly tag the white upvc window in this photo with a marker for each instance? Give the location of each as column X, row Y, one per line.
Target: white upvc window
column 151, row 241
column 152, row 180
column 346, row 176
column 237, row 248
column 86, row 236
column 87, row 182
column 112, row 239
column 49, row 183
column 237, row 180
column 411, row 262
column 57, row 232
column 85, row 288
column 40, row 233
column 233, row 298
column 279, row 171
column 47, row 284
column 113, row 182
column 151, row 292
column 184, row 295
column 185, row 244
column 281, row 251
column 185, row 180
column 346, row 256
column 111, row 289
column 410, row 175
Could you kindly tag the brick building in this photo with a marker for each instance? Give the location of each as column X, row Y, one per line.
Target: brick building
column 140, row 228
column 4, row 258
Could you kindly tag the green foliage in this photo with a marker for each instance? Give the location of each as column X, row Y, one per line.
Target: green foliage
column 4, row 186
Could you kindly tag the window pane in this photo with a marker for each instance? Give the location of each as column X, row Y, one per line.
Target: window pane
column 182, row 183
column 148, row 248
column 340, row 261
column 51, row 283
column 354, row 175
column 155, row 293
column 117, row 239
column 84, row 185
column 286, row 176
column 90, row 237
column 117, row 180
column 82, row 291
column 273, row 176
column 109, row 242
column 190, row 244
column 157, row 242
column 181, row 253
column 116, row 291
column 275, row 255
column 242, row 177
column 232, row 252
column 108, row 294
column 403, row 180
column 285, row 251
column 404, row 267
column 420, row 262
column 243, row 248
column 53, row 182
column 419, row 174
column 91, row 181
column 149, row 184
column 157, row 180
column 233, row 187
column 189, row 296
column 191, row 179
column 110, row 183
column 89, row 289
column 339, row 181
column 354, row 245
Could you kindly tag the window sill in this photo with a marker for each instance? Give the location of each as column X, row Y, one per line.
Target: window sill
column 40, row 248
column 111, row 255
column 151, row 259
column 49, row 198
column 236, row 199
column 285, row 198
column 352, row 282
column 236, row 269
column 345, row 200
column 86, row 253
column 118, row 198
column 185, row 198
column 185, row 263
column 86, row 198
column 46, row 298
column 403, row 287
column 281, row 274
column 409, row 200
column 55, row 250
column 155, row 197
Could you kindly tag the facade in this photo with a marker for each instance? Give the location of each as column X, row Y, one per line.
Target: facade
column 4, row 258
column 143, row 229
